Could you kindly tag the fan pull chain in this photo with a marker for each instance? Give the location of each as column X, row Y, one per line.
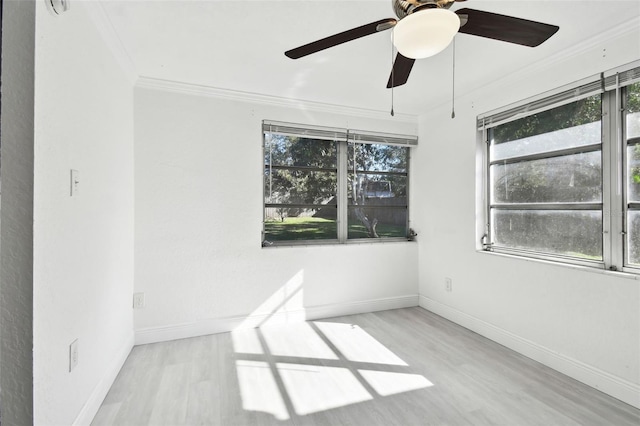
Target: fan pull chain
column 392, row 73
column 453, row 82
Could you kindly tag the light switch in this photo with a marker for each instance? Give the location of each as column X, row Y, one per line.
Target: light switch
column 75, row 182
column 73, row 355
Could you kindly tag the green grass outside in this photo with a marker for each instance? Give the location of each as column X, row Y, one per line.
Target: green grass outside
column 301, row 228
column 357, row 230
column 313, row 228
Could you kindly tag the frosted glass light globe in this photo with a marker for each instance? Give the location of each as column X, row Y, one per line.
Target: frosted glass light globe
column 425, row 33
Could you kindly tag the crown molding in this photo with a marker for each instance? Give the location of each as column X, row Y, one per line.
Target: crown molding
column 110, row 36
column 256, row 98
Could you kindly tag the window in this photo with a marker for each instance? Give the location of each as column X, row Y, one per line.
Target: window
column 301, row 186
column 555, row 169
column 334, row 185
column 546, row 181
column 377, row 190
column 631, row 109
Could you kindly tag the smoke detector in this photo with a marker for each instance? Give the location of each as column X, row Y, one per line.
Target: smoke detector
column 58, row 7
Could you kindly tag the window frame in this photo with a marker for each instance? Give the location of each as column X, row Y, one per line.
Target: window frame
column 611, row 86
column 355, row 170
column 334, row 170
column 627, row 205
column 343, row 138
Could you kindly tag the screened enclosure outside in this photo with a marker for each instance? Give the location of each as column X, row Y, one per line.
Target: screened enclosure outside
column 545, row 174
column 331, row 185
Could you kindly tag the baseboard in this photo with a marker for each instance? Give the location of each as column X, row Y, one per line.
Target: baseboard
column 612, row 385
column 222, row 325
column 93, row 403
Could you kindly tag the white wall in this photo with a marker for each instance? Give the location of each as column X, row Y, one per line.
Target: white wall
column 16, row 278
column 584, row 323
column 83, row 245
column 199, row 261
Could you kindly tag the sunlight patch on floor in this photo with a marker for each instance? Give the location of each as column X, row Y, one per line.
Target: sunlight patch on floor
column 259, row 389
column 357, row 345
column 309, row 367
column 387, row 383
column 296, row 340
column 290, row 367
column 317, row 388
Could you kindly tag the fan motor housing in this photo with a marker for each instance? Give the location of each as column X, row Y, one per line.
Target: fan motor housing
column 403, row 8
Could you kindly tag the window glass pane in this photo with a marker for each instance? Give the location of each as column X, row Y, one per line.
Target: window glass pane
column 381, row 190
column 633, row 111
column 566, row 179
column 633, row 238
column 376, row 157
column 568, row 126
column 575, row 233
column 633, row 173
column 283, row 150
column 290, row 224
column 377, row 222
column 374, row 198
column 299, row 187
column 291, row 177
column 632, row 247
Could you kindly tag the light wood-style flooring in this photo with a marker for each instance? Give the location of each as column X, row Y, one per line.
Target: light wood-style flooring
column 398, row 367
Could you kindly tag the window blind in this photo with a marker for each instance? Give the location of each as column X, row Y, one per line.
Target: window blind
column 624, row 78
column 589, row 87
column 381, row 138
column 331, row 133
column 304, row 131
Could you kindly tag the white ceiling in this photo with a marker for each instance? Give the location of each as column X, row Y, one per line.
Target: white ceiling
column 240, row 45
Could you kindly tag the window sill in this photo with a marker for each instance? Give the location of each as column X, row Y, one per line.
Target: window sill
column 335, row 243
column 592, row 269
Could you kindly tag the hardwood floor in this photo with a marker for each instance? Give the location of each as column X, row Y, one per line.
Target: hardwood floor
column 399, row 367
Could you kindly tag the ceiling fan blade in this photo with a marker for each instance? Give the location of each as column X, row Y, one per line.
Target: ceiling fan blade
column 506, row 28
column 401, row 70
column 343, row 37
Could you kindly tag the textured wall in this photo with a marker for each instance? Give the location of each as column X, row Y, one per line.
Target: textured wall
column 589, row 318
column 83, row 245
column 198, row 163
column 16, row 251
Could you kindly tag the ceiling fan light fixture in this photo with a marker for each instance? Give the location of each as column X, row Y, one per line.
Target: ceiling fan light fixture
column 425, row 33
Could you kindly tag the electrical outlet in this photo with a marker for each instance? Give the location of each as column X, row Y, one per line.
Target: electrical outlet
column 73, row 355
column 138, row 300
column 448, row 284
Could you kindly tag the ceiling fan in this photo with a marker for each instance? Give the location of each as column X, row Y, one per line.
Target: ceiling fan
column 426, row 27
